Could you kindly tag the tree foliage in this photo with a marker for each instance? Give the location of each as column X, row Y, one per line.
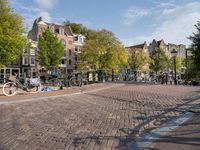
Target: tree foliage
column 12, row 40
column 138, row 60
column 77, row 28
column 102, row 51
column 51, row 50
column 190, row 69
column 195, row 38
column 159, row 60
column 178, row 63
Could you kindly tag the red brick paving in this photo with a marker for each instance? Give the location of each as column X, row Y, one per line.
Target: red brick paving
column 106, row 119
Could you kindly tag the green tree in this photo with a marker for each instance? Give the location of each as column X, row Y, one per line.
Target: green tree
column 195, row 38
column 138, row 60
column 77, row 28
column 159, row 60
column 12, row 40
column 51, row 50
column 102, row 51
column 178, row 63
column 190, row 69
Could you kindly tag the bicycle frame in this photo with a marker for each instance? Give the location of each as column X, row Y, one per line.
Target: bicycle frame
column 20, row 85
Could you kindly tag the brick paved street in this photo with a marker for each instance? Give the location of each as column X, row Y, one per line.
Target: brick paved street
column 105, row 119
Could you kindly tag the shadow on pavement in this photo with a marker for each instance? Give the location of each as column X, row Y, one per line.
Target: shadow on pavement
column 148, row 123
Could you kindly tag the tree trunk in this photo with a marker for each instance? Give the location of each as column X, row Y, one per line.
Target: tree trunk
column 135, row 75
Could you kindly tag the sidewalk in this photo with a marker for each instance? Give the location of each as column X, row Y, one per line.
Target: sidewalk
column 185, row 137
column 26, row 95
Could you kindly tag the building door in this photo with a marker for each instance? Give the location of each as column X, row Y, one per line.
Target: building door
column 1, row 73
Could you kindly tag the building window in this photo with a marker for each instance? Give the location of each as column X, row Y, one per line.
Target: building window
column 70, row 52
column 76, row 58
column 61, row 31
column 32, row 60
column 76, row 48
column 1, row 73
column 80, row 39
column 25, row 51
column 25, row 60
column 32, row 51
column 70, row 42
column 76, row 38
column 52, row 29
column 42, row 70
column 33, row 72
column 63, row 61
column 63, row 42
column 70, row 62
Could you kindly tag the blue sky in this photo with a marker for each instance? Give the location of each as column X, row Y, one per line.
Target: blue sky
column 132, row 21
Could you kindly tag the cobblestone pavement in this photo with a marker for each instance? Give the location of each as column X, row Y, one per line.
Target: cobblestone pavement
column 105, row 119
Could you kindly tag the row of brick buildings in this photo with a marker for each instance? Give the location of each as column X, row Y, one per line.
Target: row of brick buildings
column 180, row 48
column 27, row 64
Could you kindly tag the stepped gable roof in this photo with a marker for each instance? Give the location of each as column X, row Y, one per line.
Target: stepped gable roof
column 68, row 30
column 160, row 41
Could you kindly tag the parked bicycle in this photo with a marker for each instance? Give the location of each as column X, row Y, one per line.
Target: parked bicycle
column 75, row 81
column 58, row 83
column 31, row 85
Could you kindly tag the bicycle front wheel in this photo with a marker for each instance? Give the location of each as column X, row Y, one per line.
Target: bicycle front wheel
column 74, row 81
column 9, row 89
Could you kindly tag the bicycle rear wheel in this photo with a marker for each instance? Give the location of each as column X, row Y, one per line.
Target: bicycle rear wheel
column 75, row 82
column 34, row 88
column 9, row 89
column 54, row 84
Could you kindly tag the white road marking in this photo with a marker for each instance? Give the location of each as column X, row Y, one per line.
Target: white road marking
column 157, row 133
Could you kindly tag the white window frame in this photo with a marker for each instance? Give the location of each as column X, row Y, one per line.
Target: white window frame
column 32, row 64
column 61, row 31
column 32, row 51
column 23, row 60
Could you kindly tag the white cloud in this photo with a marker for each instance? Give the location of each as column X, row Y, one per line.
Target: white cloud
column 132, row 14
column 31, row 13
column 45, row 16
column 46, row 4
column 178, row 23
column 173, row 25
column 169, row 3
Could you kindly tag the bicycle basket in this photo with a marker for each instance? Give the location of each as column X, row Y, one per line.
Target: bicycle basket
column 12, row 78
column 35, row 81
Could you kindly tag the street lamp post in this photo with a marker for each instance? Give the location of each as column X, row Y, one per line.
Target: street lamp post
column 174, row 53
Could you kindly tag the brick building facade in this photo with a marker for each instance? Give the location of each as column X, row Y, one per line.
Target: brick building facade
column 180, row 48
column 65, row 35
